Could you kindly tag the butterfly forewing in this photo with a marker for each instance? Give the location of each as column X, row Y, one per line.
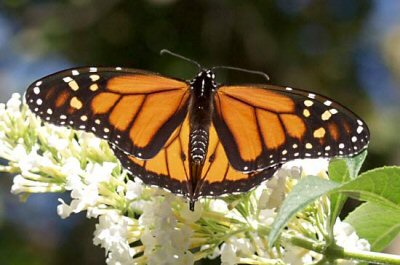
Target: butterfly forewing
column 265, row 125
column 133, row 109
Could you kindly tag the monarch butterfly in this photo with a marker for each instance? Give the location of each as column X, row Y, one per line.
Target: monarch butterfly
column 197, row 138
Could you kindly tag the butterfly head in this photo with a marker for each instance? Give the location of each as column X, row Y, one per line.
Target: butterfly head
column 204, row 83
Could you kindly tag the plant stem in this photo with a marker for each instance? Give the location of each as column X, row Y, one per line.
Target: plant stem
column 369, row 256
column 336, row 252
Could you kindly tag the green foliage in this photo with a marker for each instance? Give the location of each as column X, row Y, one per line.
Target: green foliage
column 342, row 171
column 377, row 223
column 380, row 186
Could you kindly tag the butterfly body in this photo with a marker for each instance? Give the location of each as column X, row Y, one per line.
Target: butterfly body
column 202, row 89
column 197, row 138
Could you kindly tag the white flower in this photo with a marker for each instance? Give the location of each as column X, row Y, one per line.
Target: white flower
column 218, row 205
column 275, row 194
column 14, row 103
column 18, row 184
column 57, row 142
column 346, row 237
column 121, row 257
column 72, row 169
column 267, row 216
column 64, row 210
column 32, row 161
column 134, row 190
column 164, row 242
column 111, row 230
column 83, row 197
column 299, row 256
column 228, row 254
column 309, row 166
column 112, row 233
column 97, row 173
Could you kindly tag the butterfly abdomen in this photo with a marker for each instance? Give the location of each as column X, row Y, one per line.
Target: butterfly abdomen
column 198, row 145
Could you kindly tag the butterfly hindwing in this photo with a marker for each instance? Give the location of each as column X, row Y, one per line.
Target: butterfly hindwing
column 220, row 177
column 169, row 169
column 264, row 125
column 133, row 109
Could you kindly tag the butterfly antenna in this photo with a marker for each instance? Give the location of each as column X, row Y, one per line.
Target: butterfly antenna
column 165, row 51
column 241, row 70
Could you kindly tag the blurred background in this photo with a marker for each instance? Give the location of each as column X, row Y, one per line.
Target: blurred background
column 346, row 49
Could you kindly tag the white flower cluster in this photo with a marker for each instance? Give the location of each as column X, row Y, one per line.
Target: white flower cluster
column 138, row 224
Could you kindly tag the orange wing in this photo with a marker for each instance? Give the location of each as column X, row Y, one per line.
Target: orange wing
column 220, row 177
column 263, row 126
column 170, row 168
column 135, row 110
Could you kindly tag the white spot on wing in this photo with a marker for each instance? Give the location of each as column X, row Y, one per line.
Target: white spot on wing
column 67, row 79
column 333, row 111
column 308, row 103
column 94, row 77
column 73, row 85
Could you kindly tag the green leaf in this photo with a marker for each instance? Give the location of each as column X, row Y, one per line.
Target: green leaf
column 355, row 163
column 306, row 191
column 338, row 172
column 381, row 185
column 342, row 170
column 378, row 224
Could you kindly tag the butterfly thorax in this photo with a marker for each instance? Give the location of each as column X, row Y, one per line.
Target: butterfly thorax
column 201, row 107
